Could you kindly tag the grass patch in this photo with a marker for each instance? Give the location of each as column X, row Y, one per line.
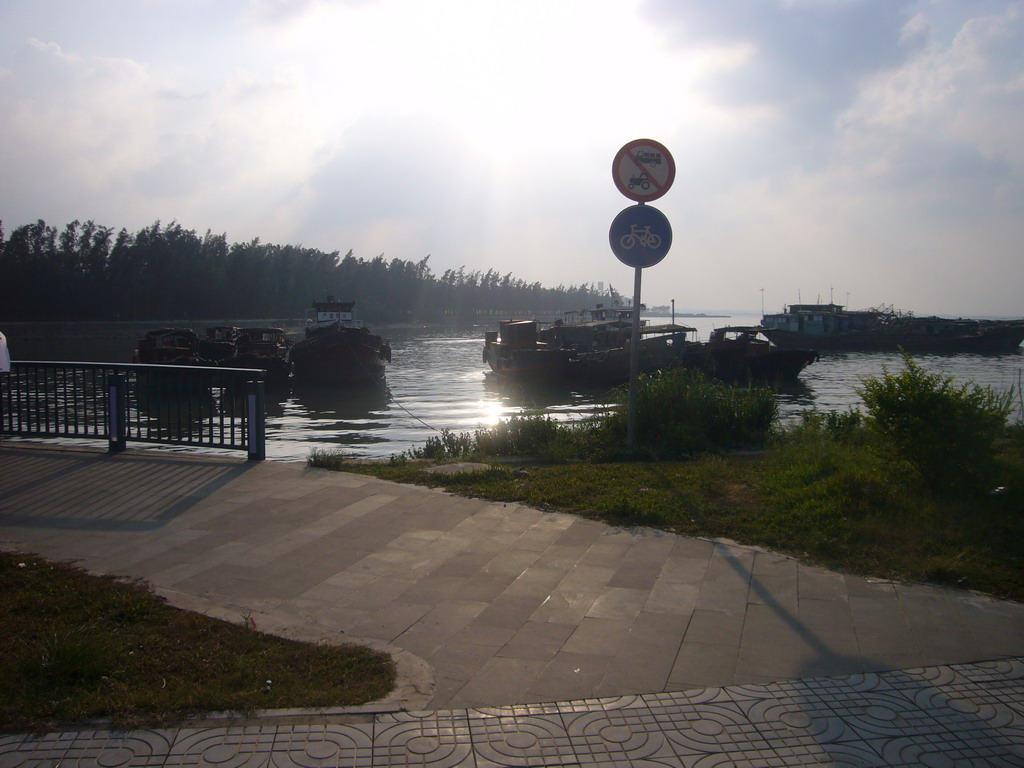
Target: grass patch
column 77, row 647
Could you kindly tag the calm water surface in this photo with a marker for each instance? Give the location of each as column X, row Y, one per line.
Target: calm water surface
column 437, row 381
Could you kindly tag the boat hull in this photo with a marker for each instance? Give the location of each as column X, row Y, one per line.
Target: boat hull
column 988, row 340
column 530, row 366
column 341, row 356
column 832, row 327
column 276, row 366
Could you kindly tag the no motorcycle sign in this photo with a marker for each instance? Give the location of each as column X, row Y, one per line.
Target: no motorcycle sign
column 643, row 170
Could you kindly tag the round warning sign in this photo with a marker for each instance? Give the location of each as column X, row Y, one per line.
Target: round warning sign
column 640, row 236
column 643, row 170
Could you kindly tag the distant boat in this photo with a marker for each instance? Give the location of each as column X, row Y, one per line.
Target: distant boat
column 261, row 347
column 832, row 327
column 219, row 343
column 337, row 349
column 169, row 346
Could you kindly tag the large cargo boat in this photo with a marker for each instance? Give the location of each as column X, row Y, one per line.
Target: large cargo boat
column 514, row 352
column 592, row 347
column 337, row 349
column 832, row 327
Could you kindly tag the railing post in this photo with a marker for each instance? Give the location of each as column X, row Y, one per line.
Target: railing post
column 117, row 412
column 256, row 420
column 5, row 377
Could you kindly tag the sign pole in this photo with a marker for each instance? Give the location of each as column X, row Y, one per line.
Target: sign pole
column 634, row 360
column 640, row 236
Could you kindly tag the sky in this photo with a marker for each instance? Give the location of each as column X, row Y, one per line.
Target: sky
column 867, row 152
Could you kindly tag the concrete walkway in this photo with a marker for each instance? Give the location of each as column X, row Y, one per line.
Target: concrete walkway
column 487, row 605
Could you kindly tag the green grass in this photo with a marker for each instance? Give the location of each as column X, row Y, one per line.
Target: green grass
column 824, row 494
column 77, row 647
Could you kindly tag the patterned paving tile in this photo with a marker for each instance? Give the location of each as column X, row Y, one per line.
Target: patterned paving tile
column 93, row 749
column 11, row 753
column 524, row 740
column 956, row 715
column 720, row 730
column 515, row 710
column 629, row 736
column 611, row 702
column 441, row 741
column 321, row 746
column 227, row 747
column 48, row 749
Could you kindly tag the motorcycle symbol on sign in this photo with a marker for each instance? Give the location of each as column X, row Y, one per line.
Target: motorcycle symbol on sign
column 644, row 237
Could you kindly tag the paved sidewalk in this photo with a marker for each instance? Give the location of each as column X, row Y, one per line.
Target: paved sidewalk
column 486, row 604
column 969, row 714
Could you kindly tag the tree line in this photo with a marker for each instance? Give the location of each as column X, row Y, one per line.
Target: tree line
column 167, row 272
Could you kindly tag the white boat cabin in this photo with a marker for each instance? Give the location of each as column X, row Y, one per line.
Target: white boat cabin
column 324, row 314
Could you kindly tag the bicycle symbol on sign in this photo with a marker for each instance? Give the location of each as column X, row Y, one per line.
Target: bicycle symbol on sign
column 644, row 237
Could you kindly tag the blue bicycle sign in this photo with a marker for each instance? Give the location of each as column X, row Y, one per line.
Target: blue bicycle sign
column 640, row 236
column 644, row 237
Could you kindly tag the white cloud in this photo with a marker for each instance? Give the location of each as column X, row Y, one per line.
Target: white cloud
column 108, row 136
column 951, row 114
column 867, row 144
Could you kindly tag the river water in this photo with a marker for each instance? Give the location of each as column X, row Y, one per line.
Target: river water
column 437, row 381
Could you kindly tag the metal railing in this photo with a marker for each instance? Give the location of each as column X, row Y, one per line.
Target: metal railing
column 171, row 404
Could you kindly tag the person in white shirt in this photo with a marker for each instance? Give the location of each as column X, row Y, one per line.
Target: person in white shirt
column 5, row 356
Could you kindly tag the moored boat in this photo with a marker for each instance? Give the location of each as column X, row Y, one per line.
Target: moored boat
column 262, row 347
column 337, row 349
column 219, row 343
column 601, row 339
column 593, row 347
column 832, row 327
column 587, row 347
column 742, row 353
column 169, row 346
column 514, row 352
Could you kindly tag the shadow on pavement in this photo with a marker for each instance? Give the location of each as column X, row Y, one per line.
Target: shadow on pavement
column 59, row 489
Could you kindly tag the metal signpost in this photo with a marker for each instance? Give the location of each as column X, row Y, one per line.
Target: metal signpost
column 640, row 235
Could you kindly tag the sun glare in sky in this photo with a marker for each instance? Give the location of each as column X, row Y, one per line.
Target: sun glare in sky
column 870, row 145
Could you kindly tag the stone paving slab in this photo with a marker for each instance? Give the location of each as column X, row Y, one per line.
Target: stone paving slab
column 966, row 714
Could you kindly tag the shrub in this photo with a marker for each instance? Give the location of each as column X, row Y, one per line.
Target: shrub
column 521, row 435
column 518, row 435
column 946, row 431
column 447, row 445
column 684, row 413
column 328, row 458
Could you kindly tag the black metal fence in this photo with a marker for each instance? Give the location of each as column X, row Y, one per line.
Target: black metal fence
column 173, row 404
